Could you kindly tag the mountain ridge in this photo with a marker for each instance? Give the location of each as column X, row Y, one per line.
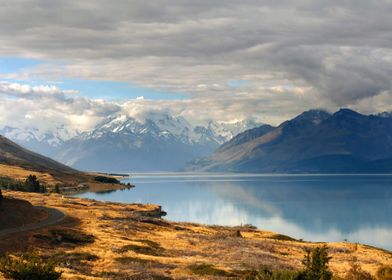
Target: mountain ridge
column 313, row 142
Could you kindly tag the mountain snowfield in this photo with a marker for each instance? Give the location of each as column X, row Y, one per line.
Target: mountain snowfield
column 44, row 142
column 122, row 143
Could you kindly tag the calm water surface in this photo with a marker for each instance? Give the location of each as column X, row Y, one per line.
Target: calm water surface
column 312, row 207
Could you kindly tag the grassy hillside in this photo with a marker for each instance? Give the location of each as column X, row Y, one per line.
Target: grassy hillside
column 17, row 163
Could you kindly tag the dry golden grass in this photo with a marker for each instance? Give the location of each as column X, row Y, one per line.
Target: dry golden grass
column 128, row 241
column 19, row 173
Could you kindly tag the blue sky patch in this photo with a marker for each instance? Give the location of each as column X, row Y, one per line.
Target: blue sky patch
column 10, row 65
column 109, row 90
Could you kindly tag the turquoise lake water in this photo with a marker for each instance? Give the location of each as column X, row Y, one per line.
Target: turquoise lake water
column 357, row 208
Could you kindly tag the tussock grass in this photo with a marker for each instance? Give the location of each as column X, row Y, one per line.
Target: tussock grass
column 207, row 269
column 71, row 236
column 149, row 248
column 144, row 250
column 75, row 257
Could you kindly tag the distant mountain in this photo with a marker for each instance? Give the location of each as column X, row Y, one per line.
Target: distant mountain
column 46, row 143
column 158, row 142
column 313, row 142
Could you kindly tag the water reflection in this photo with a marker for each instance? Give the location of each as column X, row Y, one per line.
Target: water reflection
column 318, row 208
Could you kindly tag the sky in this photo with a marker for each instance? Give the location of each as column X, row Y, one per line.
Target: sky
column 73, row 63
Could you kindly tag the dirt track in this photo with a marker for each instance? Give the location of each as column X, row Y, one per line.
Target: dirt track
column 55, row 217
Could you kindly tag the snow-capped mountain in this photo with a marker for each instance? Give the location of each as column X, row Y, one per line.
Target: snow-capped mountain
column 43, row 142
column 158, row 142
column 166, row 126
column 224, row 131
column 154, row 142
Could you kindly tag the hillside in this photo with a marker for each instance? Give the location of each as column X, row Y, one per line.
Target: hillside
column 13, row 154
column 17, row 162
column 313, row 142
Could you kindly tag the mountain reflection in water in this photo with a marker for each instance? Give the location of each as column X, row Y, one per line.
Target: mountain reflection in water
column 312, row 207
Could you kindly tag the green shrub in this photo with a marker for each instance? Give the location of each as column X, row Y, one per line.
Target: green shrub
column 31, row 184
column 384, row 273
column 28, row 267
column 316, row 265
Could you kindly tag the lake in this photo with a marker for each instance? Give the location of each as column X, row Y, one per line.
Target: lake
column 357, row 208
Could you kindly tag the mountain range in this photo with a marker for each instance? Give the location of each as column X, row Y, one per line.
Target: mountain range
column 120, row 143
column 313, row 142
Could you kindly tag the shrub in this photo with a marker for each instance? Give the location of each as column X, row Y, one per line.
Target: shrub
column 57, row 188
column 384, row 273
column 31, row 184
column 28, row 267
column 104, row 179
column 356, row 273
column 316, row 265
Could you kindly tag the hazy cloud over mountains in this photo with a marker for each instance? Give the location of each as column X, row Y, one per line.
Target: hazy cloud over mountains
column 235, row 59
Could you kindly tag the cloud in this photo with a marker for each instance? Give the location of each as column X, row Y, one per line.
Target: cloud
column 316, row 54
column 47, row 106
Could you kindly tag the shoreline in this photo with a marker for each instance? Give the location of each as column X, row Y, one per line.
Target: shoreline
column 131, row 238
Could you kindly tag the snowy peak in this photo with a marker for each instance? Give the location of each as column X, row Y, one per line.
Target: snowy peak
column 160, row 126
column 227, row 130
column 30, row 135
column 165, row 126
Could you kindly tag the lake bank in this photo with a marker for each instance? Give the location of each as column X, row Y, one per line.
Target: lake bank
column 128, row 239
column 310, row 207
